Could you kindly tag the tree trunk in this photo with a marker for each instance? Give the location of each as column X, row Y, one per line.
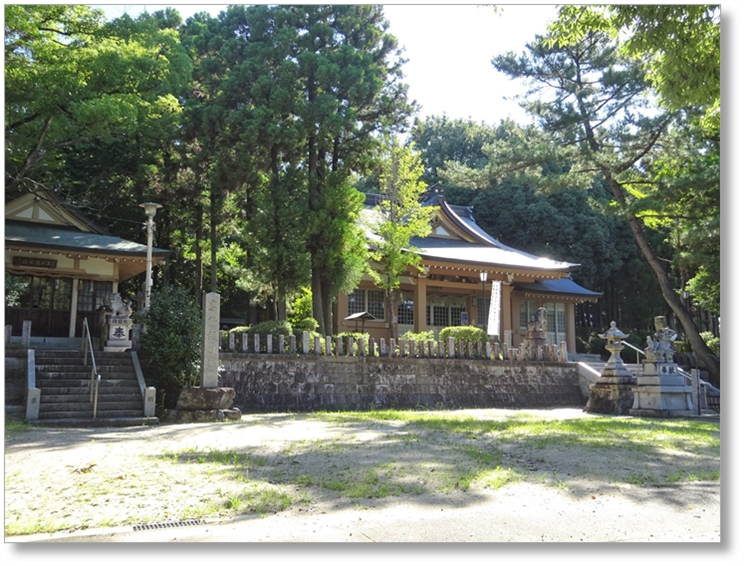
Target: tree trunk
column 198, row 283
column 213, row 236
column 709, row 360
column 327, row 306
column 318, row 302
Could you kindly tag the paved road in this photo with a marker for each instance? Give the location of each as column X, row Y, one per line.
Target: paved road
column 516, row 513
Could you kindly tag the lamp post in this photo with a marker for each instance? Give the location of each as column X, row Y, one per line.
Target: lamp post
column 484, row 278
column 150, row 209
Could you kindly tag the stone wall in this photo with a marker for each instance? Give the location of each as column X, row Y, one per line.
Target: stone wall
column 304, row 383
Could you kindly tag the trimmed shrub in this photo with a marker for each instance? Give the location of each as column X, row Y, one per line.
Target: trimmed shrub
column 171, row 342
column 464, row 333
column 273, row 327
column 426, row 335
column 356, row 336
column 307, row 323
column 238, row 330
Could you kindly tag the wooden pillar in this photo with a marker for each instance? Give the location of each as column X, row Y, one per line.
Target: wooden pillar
column 506, row 310
column 419, row 305
column 571, row 326
column 343, row 312
column 73, row 307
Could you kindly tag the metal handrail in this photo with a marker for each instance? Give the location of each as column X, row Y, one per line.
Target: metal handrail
column 638, row 351
column 95, row 377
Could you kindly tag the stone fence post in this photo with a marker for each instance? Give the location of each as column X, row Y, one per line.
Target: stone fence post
column 26, row 335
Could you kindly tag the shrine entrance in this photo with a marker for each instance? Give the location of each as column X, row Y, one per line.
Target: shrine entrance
column 45, row 301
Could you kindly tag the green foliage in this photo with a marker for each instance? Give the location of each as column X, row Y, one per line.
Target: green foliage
column 15, row 286
column 71, row 78
column 273, row 327
column 443, row 140
column 713, row 342
column 355, row 335
column 171, row 342
column 464, row 334
column 399, row 217
column 308, row 323
column 302, row 307
column 322, row 80
column 426, row 335
column 678, row 44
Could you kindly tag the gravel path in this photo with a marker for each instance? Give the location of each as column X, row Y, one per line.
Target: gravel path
column 300, row 478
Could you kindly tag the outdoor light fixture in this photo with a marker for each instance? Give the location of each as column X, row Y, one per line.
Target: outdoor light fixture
column 150, row 209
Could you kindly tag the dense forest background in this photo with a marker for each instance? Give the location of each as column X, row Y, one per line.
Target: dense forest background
column 258, row 130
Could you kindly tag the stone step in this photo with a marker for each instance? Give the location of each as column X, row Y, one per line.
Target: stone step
column 84, row 376
column 80, row 379
column 118, row 390
column 83, row 403
column 75, row 398
column 88, row 422
column 88, row 414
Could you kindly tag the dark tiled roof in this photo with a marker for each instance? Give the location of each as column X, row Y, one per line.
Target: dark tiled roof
column 40, row 235
column 562, row 286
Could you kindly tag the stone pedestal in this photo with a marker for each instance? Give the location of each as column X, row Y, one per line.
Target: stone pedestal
column 118, row 339
column 662, row 392
column 612, row 394
column 204, row 404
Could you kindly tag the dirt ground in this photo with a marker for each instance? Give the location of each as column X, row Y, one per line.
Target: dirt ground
column 286, row 467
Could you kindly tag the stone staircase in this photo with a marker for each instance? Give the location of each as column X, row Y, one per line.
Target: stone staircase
column 64, row 382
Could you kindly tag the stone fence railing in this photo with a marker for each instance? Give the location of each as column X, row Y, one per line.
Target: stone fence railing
column 390, row 348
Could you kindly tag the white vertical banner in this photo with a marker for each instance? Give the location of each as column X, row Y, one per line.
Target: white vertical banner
column 494, row 312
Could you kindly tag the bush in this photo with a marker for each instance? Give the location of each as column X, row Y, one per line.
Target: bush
column 307, row 323
column 171, row 341
column 356, row 336
column 464, row 333
column 273, row 327
column 426, row 335
column 238, row 330
column 302, row 307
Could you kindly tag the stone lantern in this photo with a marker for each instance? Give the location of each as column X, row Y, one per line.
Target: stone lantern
column 612, row 393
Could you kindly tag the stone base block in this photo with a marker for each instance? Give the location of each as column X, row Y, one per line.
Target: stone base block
column 202, row 416
column 205, row 398
column 609, row 399
column 662, row 400
column 117, row 348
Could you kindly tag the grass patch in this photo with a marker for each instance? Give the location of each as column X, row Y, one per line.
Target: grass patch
column 34, row 527
column 260, row 499
column 498, row 477
column 15, row 427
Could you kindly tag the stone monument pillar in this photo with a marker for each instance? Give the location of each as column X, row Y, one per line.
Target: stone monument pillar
column 661, row 390
column 208, row 402
column 210, row 348
column 612, row 394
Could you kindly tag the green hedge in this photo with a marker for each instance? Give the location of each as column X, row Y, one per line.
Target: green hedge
column 463, row 333
column 426, row 335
